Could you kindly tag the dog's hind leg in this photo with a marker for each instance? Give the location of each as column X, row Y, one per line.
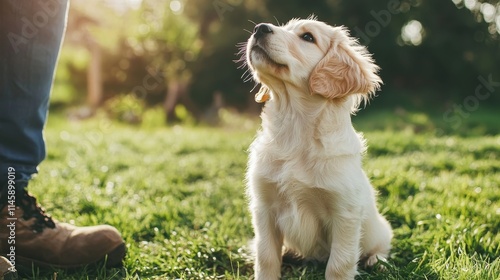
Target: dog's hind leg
column 376, row 239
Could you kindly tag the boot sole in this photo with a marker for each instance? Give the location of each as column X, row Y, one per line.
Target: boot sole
column 10, row 275
column 112, row 259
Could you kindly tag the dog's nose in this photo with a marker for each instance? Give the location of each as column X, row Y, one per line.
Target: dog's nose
column 261, row 30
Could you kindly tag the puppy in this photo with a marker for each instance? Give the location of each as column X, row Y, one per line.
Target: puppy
column 308, row 193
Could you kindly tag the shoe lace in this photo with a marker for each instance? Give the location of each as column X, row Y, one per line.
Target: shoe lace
column 33, row 210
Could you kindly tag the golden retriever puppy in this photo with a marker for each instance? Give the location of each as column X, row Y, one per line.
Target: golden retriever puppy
column 308, row 193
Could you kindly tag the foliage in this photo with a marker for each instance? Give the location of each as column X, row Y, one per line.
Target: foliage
column 457, row 44
column 177, row 195
column 125, row 108
column 144, row 48
column 168, row 38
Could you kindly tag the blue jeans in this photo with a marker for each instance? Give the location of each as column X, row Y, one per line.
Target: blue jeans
column 31, row 33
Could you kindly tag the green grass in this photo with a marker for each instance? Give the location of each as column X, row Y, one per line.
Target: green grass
column 177, row 196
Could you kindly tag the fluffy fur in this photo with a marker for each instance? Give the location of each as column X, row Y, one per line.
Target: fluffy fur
column 308, row 193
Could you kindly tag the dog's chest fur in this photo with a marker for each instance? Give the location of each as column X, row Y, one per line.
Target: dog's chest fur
column 299, row 166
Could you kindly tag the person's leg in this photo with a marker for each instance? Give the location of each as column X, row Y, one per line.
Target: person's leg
column 30, row 39
column 31, row 32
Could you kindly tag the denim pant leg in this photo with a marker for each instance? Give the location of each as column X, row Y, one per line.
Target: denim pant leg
column 31, row 33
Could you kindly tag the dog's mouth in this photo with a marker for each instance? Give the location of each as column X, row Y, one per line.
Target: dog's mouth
column 256, row 49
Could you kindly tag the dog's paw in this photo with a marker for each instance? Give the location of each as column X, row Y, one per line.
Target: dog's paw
column 372, row 260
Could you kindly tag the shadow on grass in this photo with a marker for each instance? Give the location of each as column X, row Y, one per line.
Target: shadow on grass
column 403, row 266
column 84, row 273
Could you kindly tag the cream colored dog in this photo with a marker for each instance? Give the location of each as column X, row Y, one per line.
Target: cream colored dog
column 308, row 192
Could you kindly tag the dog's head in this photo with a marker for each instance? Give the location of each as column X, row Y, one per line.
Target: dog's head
column 311, row 56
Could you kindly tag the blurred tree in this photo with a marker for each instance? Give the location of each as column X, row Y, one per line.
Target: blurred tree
column 79, row 36
column 145, row 50
column 451, row 49
column 172, row 41
column 444, row 65
column 222, row 26
column 432, row 53
column 87, row 28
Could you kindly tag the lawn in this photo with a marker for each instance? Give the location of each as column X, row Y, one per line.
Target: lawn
column 178, row 197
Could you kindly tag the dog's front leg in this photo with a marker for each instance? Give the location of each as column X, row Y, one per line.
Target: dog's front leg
column 345, row 246
column 268, row 244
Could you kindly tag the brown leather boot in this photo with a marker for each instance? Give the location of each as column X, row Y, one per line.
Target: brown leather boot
column 29, row 236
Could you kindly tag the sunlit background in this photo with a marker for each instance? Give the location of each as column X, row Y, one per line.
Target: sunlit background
column 127, row 57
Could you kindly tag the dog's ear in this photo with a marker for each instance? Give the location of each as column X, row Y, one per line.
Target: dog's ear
column 346, row 68
column 263, row 95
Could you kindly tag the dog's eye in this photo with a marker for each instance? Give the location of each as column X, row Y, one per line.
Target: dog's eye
column 307, row 37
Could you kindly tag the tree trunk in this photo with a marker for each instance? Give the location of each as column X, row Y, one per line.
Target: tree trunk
column 94, row 75
column 174, row 91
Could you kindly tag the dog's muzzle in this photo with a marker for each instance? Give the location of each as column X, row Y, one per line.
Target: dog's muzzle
column 258, row 45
